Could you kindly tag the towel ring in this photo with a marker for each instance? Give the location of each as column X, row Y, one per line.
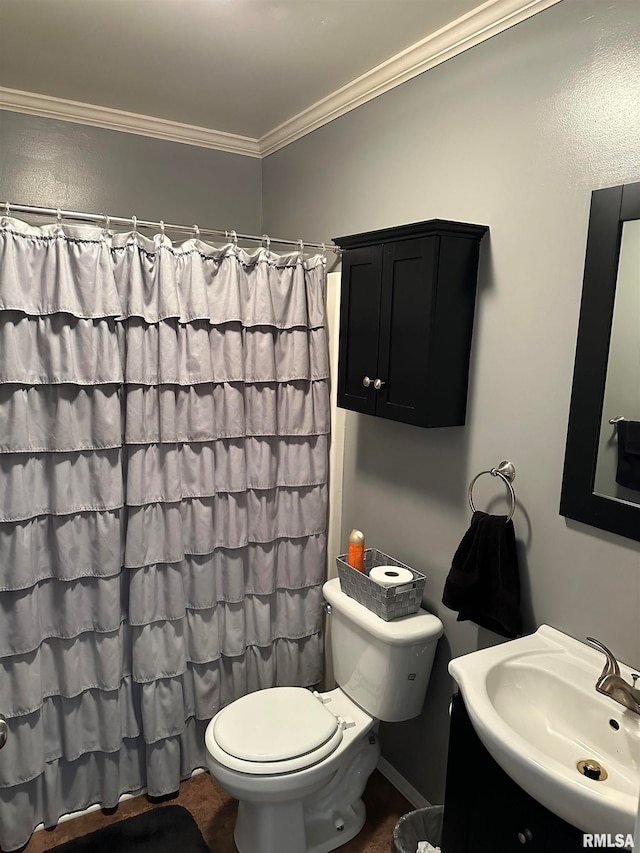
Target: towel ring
column 507, row 473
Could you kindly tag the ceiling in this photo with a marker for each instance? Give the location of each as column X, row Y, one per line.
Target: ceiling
column 253, row 74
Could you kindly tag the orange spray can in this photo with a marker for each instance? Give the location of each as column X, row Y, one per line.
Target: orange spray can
column 355, row 555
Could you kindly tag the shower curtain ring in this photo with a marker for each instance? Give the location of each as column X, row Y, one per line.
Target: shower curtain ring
column 301, row 245
column 267, row 240
column 134, row 220
column 7, row 208
column 196, row 232
column 234, row 237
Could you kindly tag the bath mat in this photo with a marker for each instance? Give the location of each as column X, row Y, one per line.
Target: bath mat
column 162, row 830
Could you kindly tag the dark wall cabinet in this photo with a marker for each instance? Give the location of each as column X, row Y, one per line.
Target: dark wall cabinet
column 406, row 321
column 485, row 811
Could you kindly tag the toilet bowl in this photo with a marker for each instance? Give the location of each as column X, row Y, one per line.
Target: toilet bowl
column 297, row 760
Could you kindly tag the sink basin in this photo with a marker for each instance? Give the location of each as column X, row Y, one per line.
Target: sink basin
column 534, row 706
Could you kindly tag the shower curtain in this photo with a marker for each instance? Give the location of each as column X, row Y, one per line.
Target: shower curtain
column 164, row 419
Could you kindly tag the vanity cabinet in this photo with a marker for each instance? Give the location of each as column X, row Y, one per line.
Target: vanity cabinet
column 485, row 811
column 406, row 321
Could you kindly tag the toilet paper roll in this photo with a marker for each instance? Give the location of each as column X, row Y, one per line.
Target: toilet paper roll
column 390, row 575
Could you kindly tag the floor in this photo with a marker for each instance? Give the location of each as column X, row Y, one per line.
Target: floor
column 215, row 811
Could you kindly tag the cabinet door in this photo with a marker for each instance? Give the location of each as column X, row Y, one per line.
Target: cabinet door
column 359, row 316
column 406, row 316
column 485, row 811
column 512, row 822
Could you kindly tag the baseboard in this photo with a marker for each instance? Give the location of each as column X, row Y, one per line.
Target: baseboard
column 400, row 784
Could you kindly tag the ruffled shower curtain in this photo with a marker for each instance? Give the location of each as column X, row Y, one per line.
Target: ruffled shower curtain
column 164, row 419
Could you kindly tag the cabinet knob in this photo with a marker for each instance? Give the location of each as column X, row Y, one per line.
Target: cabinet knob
column 525, row 836
column 378, row 383
column 366, row 382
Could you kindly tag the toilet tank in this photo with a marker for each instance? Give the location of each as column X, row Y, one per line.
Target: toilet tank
column 383, row 666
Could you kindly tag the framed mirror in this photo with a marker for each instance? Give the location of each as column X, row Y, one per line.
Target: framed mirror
column 599, row 485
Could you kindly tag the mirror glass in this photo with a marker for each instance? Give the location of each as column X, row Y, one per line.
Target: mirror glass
column 622, row 387
column 601, row 482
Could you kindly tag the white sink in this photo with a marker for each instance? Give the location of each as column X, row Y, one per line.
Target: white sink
column 534, row 706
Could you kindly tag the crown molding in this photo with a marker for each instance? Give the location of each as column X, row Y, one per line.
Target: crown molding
column 481, row 23
column 95, row 116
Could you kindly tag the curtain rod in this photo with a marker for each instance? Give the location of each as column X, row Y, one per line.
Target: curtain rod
column 163, row 226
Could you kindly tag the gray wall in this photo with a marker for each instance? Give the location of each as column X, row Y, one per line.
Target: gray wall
column 49, row 163
column 514, row 134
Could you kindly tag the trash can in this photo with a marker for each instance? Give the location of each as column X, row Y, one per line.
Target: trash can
column 420, row 825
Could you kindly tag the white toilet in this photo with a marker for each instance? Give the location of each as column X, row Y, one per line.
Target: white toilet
column 298, row 761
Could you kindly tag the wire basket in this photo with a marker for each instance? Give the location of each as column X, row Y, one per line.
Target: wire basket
column 386, row 602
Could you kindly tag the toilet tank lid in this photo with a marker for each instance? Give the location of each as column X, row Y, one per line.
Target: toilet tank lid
column 409, row 630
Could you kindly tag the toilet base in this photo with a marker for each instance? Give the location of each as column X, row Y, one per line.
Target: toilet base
column 322, row 839
column 281, row 828
column 325, row 820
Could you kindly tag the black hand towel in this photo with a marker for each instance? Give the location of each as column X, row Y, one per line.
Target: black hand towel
column 484, row 582
column 628, row 471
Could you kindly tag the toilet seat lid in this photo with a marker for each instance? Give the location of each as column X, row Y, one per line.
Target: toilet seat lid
column 275, row 725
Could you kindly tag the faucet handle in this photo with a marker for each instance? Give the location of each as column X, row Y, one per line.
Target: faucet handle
column 611, row 666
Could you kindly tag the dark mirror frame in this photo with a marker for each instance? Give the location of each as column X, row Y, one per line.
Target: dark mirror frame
column 610, row 208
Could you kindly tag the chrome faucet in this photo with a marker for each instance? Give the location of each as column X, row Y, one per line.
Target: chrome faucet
column 611, row 682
